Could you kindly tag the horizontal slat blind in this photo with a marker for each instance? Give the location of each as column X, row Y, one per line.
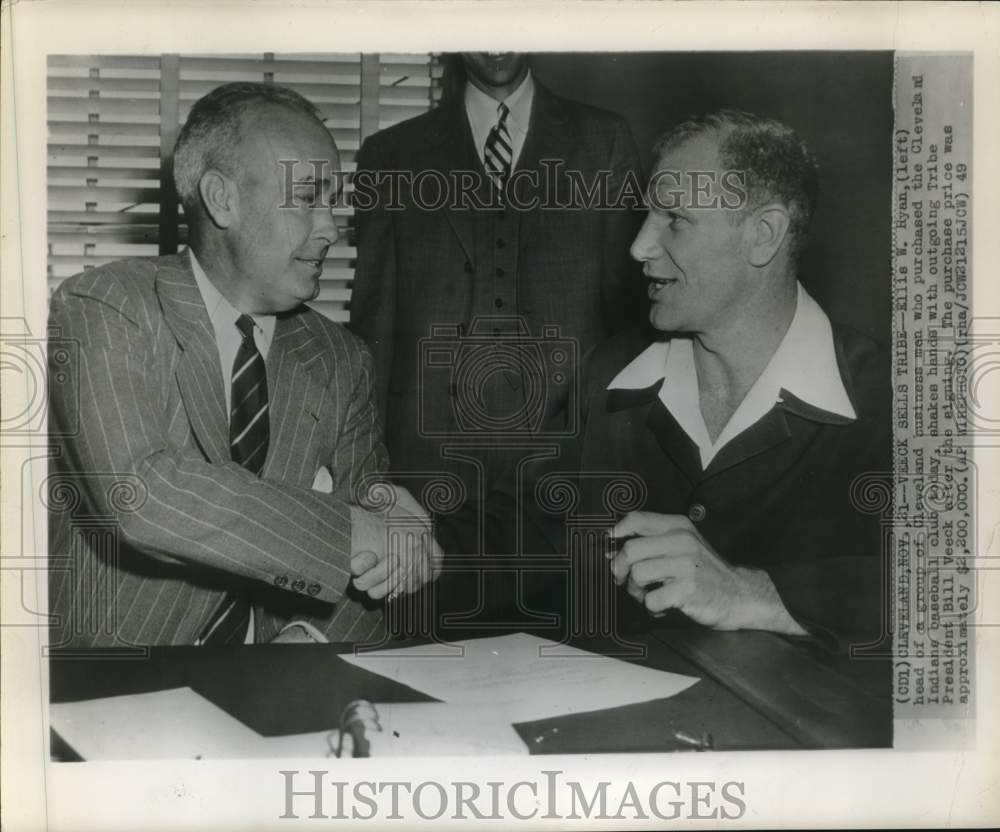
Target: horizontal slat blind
column 103, row 160
column 105, row 119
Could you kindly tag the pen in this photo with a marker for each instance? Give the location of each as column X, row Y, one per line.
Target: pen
column 704, row 742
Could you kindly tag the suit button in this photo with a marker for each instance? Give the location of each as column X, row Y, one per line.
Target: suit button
column 313, row 589
column 496, row 332
column 468, row 267
column 281, row 580
column 498, row 303
column 500, row 272
column 501, row 243
column 299, row 585
column 697, row 512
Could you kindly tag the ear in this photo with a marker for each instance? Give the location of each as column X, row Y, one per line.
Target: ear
column 767, row 229
column 220, row 198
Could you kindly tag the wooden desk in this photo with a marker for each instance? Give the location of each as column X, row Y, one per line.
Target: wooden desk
column 757, row 691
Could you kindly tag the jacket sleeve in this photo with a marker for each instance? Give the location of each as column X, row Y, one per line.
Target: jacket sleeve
column 186, row 509
column 373, row 297
column 839, row 592
column 360, row 457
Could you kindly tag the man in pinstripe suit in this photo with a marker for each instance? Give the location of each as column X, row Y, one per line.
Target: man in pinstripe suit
column 228, row 435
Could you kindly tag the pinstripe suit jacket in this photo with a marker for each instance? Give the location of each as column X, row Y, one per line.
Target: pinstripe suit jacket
column 150, row 520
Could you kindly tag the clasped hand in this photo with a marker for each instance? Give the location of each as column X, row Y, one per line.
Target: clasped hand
column 393, row 552
column 666, row 563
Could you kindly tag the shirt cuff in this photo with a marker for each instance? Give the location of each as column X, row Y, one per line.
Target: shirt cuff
column 314, row 634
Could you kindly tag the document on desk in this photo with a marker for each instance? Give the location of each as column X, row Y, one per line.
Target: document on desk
column 176, row 723
column 513, row 676
column 181, row 724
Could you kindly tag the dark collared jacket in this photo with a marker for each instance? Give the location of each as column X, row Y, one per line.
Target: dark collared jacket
column 803, row 494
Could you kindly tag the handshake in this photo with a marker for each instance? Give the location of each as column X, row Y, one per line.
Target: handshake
column 393, row 550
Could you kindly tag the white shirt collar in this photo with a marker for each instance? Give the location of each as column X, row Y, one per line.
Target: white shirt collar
column 804, row 364
column 224, row 315
column 481, row 110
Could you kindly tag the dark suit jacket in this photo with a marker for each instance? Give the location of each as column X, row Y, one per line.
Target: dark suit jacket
column 567, row 269
column 151, row 521
column 803, row 495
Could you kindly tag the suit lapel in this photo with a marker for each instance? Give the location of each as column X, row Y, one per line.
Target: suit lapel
column 453, row 149
column 673, row 441
column 198, row 373
column 658, row 420
column 547, row 138
column 764, row 435
column 296, row 370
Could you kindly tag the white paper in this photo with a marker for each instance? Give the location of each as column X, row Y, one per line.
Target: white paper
column 181, row 724
column 176, row 723
column 513, row 676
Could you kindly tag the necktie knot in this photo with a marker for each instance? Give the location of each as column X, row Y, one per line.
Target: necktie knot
column 244, row 323
column 502, row 112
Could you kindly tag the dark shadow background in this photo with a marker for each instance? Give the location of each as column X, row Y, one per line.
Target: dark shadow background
column 839, row 102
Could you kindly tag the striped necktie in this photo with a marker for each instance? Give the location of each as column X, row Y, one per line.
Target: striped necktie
column 498, row 152
column 249, row 426
column 249, row 434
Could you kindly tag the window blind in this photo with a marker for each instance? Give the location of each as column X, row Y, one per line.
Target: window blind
column 112, row 122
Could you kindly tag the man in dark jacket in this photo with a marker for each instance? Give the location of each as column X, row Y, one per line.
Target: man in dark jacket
column 733, row 452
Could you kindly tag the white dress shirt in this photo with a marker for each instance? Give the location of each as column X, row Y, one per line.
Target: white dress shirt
column 804, row 364
column 228, row 338
column 481, row 110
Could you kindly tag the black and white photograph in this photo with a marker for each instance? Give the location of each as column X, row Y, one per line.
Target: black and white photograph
column 414, row 411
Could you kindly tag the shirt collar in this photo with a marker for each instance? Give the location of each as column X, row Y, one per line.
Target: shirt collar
column 816, row 381
column 222, row 313
column 482, row 108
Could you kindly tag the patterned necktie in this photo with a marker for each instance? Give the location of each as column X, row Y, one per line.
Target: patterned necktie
column 249, row 426
column 249, row 434
column 499, row 149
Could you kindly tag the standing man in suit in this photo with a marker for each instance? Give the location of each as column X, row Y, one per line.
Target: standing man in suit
column 506, row 268
column 478, row 307
column 228, row 435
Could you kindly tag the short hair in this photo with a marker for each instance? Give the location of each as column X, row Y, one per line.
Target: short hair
column 211, row 135
column 777, row 164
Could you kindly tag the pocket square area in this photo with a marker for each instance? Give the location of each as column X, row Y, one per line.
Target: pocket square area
column 323, row 481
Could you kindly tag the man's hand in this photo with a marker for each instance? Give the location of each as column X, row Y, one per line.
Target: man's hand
column 393, row 551
column 666, row 564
